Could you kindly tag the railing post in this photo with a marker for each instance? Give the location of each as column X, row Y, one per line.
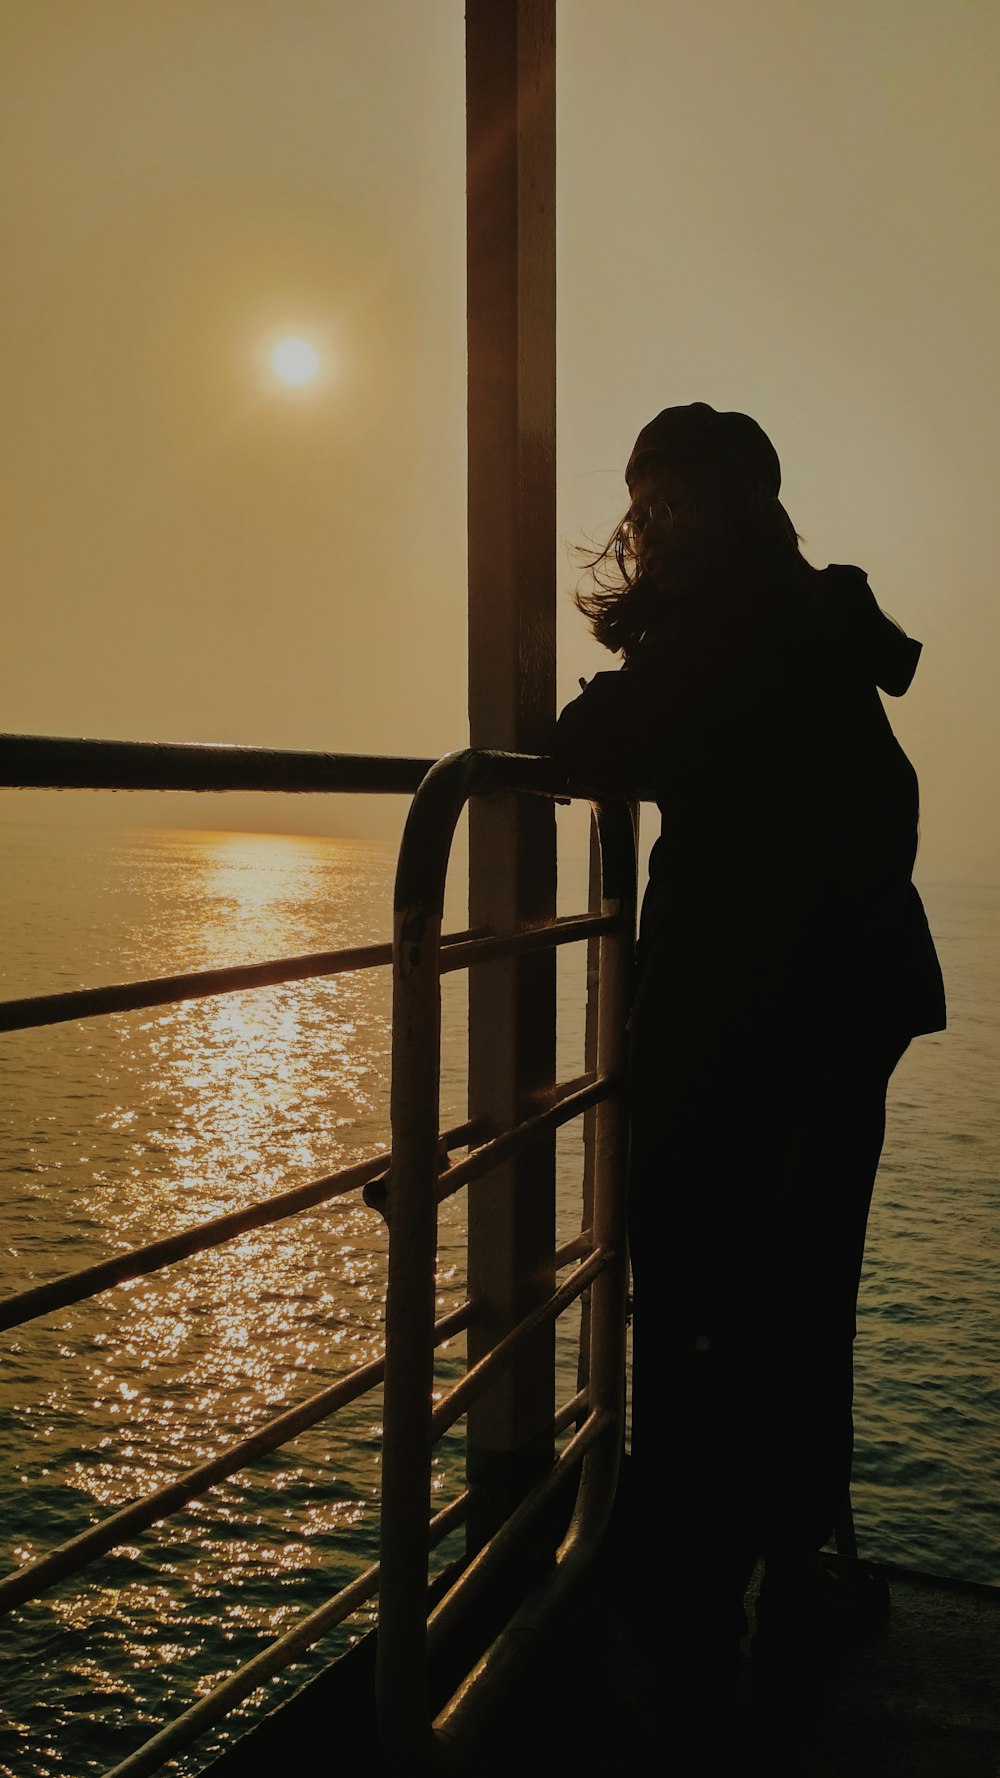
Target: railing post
column 594, row 905
column 401, row 1676
column 510, row 65
column 616, row 834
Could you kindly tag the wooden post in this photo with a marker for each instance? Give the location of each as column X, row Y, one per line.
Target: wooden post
column 510, row 74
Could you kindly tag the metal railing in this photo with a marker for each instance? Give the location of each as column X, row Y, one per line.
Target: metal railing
column 406, row 1639
column 406, row 1184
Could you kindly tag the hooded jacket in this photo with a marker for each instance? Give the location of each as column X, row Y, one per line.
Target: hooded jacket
column 782, row 877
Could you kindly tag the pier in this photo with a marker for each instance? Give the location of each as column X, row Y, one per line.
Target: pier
column 918, row 1698
column 549, row 1644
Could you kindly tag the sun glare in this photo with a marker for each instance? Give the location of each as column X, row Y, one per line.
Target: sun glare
column 295, row 361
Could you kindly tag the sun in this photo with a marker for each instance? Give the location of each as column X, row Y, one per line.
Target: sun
column 295, row 361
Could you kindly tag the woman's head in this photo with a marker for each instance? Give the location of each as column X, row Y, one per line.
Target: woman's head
column 720, row 450
column 704, row 504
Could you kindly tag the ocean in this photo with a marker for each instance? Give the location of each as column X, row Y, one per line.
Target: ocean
column 119, row 1129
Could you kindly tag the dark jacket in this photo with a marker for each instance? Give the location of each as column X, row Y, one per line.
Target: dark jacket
column 782, row 876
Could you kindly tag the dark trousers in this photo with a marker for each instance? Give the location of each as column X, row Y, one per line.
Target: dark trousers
column 752, row 1166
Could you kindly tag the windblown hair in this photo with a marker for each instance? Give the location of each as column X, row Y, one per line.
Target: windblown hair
column 641, row 565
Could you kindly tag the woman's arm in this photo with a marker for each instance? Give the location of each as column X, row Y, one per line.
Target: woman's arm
column 885, row 652
column 605, row 738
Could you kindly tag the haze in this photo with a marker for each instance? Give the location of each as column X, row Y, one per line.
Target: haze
column 787, row 208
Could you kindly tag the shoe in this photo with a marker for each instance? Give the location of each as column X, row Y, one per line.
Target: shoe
column 827, row 1602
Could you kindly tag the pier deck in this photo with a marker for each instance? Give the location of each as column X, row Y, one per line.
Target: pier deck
column 919, row 1698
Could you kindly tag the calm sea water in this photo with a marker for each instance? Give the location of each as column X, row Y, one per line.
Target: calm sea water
column 120, row 1129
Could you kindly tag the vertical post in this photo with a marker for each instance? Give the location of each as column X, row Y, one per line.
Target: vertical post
column 510, row 74
column 401, row 1669
column 590, row 1062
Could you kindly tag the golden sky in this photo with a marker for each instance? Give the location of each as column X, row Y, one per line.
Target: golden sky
column 786, row 206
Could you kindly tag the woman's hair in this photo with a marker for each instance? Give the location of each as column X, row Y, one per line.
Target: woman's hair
column 674, row 539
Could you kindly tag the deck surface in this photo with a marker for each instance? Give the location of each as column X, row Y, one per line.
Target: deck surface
column 919, row 1698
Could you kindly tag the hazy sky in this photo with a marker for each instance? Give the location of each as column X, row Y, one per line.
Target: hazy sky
column 786, row 206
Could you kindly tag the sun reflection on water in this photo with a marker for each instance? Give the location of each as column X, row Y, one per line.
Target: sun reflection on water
column 128, row 1129
column 124, row 1129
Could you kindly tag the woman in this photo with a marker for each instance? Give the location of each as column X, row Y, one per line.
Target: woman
column 784, row 965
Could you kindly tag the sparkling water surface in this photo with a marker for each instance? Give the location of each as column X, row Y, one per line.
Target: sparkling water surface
column 124, row 1128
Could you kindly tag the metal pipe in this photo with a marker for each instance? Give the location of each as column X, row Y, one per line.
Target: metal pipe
column 460, row 950
column 488, row 1561
column 567, row 929
column 590, row 1063
column 406, row 1444
column 464, row 1719
column 458, row 1725
column 419, row 899
column 76, row 1552
column 60, row 763
column 565, row 1087
column 606, row 1370
column 534, row 1129
column 581, row 1244
column 75, row 1287
column 274, row 1659
column 454, row 1404
column 414, row 1188
column 571, row 1410
column 55, row 762
column 171, row 990
column 89, row 1281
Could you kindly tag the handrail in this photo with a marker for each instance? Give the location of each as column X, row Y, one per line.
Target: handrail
column 489, row 1561
column 90, row 1281
column 453, row 1405
column 415, row 1187
column 460, row 950
column 597, row 1254
column 137, row 1515
column 271, row 1660
column 195, row 984
column 54, row 762
column 524, row 1135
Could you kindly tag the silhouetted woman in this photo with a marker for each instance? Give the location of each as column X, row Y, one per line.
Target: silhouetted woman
column 784, row 965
